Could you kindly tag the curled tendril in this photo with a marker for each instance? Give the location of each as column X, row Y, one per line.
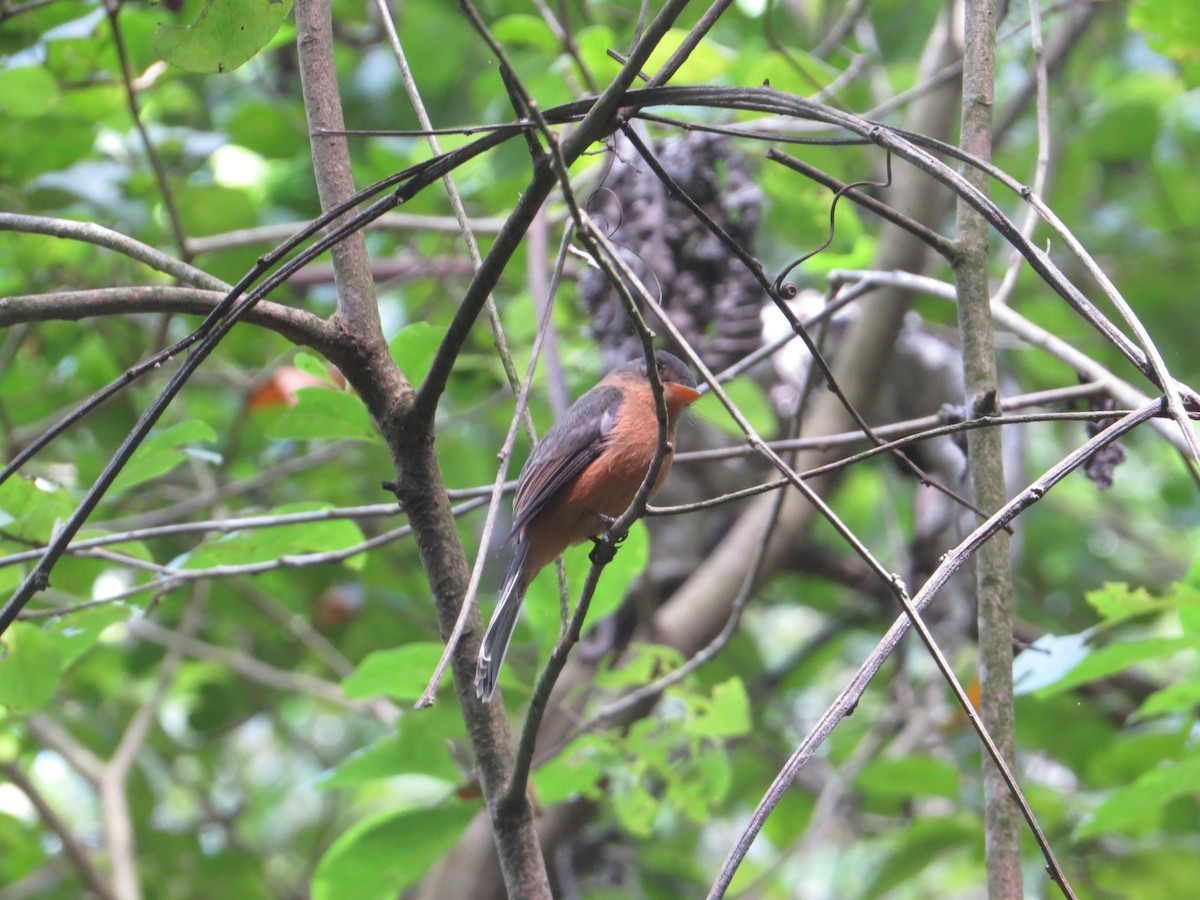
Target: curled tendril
column 779, row 285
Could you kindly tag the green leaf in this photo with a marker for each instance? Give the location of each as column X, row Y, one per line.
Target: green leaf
column 313, row 365
column 640, row 664
column 541, row 603
column 527, row 29
column 714, row 772
column 707, row 62
column 23, row 851
column 1117, row 658
column 324, row 413
column 1125, row 124
column 30, row 667
column 1172, row 28
column 160, row 453
column 910, row 776
column 630, row 561
column 401, row 673
column 1185, row 596
column 725, row 714
column 267, row 544
column 412, row 348
column 1183, row 697
column 77, row 633
column 593, row 43
column 1144, row 798
column 716, row 769
column 213, row 209
column 378, row 857
column 635, row 807
column 578, row 772
column 1189, row 618
column 29, row 510
column 419, row 747
column 749, row 398
column 227, row 34
column 1116, row 602
column 27, row 91
column 919, row 844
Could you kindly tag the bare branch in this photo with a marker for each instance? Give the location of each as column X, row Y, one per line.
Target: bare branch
column 249, row 667
column 985, row 460
column 62, row 742
column 357, row 306
column 90, row 233
column 296, row 325
column 394, row 221
column 165, row 192
column 173, row 578
column 951, row 562
column 75, row 852
column 218, row 526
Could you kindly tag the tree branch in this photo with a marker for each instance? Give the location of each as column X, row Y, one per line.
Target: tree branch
column 75, row 852
column 985, row 460
column 357, row 308
column 951, row 562
column 296, row 325
column 112, row 240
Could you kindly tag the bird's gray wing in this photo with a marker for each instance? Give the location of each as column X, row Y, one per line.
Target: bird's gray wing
column 568, row 448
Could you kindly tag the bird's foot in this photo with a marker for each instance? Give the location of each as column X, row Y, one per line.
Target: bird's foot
column 604, row 549
column 605, row 545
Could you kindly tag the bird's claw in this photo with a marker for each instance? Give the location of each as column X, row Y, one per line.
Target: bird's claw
column 608, row 537
column 604, row 550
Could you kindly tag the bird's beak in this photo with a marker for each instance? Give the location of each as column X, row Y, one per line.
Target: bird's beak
column 682, row 392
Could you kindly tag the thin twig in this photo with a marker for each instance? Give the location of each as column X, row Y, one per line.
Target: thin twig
column 774, row 290
column 218, row 526
column 100, row 236
column 614, row 711
column 519, row 415
column 848, row 699
column 48, row 731
column 456, row 204
column 75, row 852
column 887, row 447
column 229, row 310
column 595, row 123
column 939, row 243
column 113, row 8
column 178, row 577
column 302, row 629
column 119, row 832
column 690, row 42
column 1034, row 335
column 395, row 221
column 248, row 666
column 894, row 582
column 606, row 547
column 297, row 325
column 1042, row 162
column 562, row 34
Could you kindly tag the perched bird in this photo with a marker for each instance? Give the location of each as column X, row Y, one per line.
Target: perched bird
column 579, row 478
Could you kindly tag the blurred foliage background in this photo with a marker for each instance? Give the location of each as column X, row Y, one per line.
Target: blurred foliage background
column 282, row 759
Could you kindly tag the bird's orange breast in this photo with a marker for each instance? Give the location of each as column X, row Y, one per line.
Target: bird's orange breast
column 607, row 486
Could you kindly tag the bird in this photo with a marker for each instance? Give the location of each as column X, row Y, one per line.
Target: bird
column 579, row 478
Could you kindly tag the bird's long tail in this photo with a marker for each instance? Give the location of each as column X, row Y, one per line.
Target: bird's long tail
column 499, row 631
